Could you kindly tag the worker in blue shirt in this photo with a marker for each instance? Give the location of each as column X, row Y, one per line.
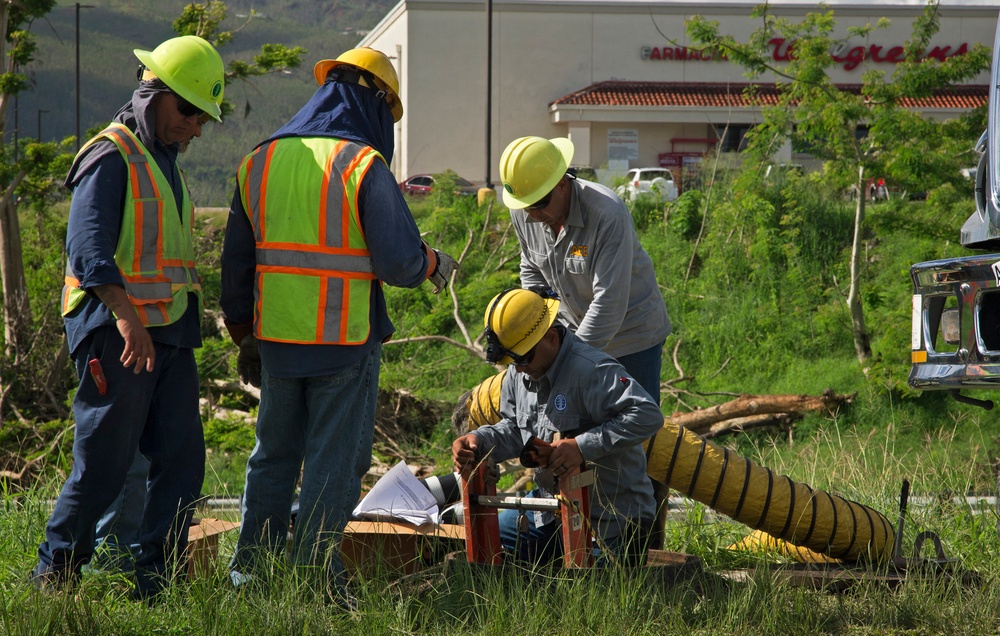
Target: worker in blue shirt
column 316, row 226
column 132, row 310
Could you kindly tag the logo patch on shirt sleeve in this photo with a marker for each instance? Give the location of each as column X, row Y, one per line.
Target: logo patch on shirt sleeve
column 560, row 402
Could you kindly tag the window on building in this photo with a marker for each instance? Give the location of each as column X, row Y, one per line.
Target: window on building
column 732, row 136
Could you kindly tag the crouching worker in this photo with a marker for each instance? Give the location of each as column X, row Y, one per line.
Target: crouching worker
column 584, row 404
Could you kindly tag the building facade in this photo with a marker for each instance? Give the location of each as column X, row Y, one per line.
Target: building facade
column 619, row 78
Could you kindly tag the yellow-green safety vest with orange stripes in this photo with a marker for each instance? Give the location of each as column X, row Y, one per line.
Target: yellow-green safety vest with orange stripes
column 314, row 274
column 155, row 251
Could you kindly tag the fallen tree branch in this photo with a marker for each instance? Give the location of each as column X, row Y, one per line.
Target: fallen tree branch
column 751, row 421
column 701, row 420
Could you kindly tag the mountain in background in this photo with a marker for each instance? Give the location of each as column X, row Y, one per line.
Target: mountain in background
column 111, row 29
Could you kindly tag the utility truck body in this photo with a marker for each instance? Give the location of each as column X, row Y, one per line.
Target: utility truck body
column 955, row 340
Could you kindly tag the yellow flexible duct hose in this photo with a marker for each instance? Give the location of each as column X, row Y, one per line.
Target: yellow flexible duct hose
column 760, row 541
column 738, row 488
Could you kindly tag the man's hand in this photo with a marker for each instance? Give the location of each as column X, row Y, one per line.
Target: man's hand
column 464, row 452
column 248, row 362
column 139, row 350
column 565, row 456
column 446, row 265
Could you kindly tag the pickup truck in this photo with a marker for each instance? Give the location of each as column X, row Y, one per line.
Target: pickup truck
column 955, row 339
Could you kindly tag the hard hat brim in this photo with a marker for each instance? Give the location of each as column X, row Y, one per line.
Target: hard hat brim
column 323, row 68
column 552, row 306
column 565, row 147
column 207, row 106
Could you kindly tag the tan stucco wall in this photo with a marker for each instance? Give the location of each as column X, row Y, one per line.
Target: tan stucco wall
column 547, row 49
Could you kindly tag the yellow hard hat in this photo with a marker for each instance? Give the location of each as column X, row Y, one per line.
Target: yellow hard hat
column 376, row 63
column 192, row 68
column 530, row 167
column 515, row 322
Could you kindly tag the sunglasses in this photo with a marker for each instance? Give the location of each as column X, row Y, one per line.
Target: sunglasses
column 187, row 109
column 542, row 203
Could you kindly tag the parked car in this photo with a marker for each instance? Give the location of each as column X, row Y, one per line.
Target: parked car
column 645, row 181
column 421, row 184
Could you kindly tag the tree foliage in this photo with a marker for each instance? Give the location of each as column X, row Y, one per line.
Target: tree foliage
column 34, row 375
column 856, row 133
column 205, row 20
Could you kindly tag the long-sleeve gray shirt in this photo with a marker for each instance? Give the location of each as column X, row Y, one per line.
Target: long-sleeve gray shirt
column 604, row 278
column 586, row 395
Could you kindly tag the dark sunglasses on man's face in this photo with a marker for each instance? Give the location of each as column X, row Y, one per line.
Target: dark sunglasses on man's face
column 542, row 203
column 524, row 360
column 187, row 109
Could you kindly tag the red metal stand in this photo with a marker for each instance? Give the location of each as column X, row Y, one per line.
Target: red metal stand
column 482, row 528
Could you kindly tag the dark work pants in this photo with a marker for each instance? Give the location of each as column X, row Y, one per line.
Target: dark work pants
column 156, row 412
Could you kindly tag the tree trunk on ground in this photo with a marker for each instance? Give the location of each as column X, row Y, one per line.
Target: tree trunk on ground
column 701, row 421
column 862, row 346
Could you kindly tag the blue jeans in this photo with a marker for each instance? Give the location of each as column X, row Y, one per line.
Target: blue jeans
column 543, row 544
column 117, row 538
column 155, row 412
column 539, row 544
column 644, row 366
column 322, row 426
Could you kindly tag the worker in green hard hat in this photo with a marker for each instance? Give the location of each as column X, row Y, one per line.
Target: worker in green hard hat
column 132, row 312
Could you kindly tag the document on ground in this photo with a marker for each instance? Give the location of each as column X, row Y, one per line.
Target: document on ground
column 399, row 495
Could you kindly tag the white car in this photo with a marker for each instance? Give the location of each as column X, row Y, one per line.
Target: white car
column 642, row 181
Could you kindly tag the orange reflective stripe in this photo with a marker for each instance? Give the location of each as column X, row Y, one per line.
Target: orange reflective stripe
column 146, row 200
column 349, row 206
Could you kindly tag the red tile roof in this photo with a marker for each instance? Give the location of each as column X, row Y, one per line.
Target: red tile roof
column 722, row 95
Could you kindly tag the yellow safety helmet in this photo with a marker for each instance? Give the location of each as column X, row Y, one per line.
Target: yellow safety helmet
column 515, row 322
column 530, row 167
column 192, row 68
column 376, row 63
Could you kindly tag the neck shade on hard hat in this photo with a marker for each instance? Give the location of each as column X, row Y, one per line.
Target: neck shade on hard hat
column 516, row 321
column 191, row 68
column 375, row 68
column 530, row 167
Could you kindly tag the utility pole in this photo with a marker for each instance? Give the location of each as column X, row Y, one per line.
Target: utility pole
column 78, row 7
column 489, row 87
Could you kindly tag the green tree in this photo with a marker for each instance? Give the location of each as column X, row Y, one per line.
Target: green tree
column 813, row 113
column 205, row 20
column 17, row 48
column 33, row 181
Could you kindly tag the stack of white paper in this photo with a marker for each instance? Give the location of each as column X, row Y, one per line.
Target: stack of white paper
column 399, row 495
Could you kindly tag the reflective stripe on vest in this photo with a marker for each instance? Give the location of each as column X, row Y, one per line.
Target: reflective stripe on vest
column 314, row 274
column 155, row 252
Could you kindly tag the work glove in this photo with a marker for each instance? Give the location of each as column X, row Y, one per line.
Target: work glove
column 442, row 273
column 248, row 362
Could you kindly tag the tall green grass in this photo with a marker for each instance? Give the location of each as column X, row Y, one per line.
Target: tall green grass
column 735, row 593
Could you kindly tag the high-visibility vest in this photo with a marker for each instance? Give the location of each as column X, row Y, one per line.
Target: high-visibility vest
column 155, row 251
column 314, row 274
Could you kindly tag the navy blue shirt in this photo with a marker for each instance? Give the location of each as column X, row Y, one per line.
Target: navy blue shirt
column 98, row 180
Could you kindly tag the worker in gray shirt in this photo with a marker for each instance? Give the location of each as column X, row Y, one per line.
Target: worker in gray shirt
column 577, row 404
column 578, row 239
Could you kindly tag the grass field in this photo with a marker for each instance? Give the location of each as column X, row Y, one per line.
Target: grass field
column 866, row 466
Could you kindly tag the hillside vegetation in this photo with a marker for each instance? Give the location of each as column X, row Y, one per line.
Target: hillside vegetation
column 111, row 29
